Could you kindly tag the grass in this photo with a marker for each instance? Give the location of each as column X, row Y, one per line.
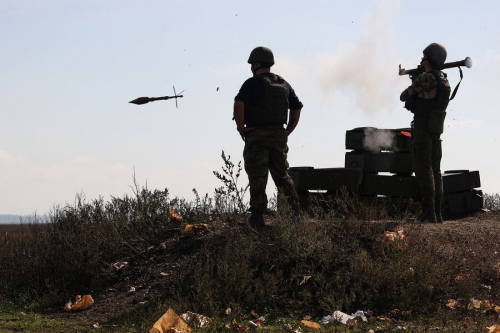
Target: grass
column 15, row 320
column 330, row 259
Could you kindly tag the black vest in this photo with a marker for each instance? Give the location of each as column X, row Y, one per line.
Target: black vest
column 273, row 108
column 429, row 114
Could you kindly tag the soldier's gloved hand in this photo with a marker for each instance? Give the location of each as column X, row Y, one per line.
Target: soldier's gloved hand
column 243, row 131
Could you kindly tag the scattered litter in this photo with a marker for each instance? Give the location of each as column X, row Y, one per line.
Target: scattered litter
column 344, row 318
column 395, row 237
column 170, row 322
column 190, row 228
column 228, row 311
column 490, row 307
column 494, row 329
column 24, row 314
column 486, row 210
column 131, row 290
column 258, row 322
column 452, row 304
column 239, row 327
column 96, row 325
column 474, row 304
column 360, row 314
column 290, row 328
column 81, row 303
column 119, row 265
column 199, row 320
column 163, row 246
column 174, row 217
column 311, row 324
column 304, row 280
column 164, row 274
column 142, row 303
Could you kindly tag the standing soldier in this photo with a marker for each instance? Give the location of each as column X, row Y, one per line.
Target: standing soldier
column 260, row 111
column 427, row 98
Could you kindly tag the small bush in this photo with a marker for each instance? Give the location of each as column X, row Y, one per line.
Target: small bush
column 75, row 248
column 327, row 264
column 492, row 201
column 333, row 259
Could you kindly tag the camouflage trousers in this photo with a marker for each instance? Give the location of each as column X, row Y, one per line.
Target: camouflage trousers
column 427, row 155
column 266, row 151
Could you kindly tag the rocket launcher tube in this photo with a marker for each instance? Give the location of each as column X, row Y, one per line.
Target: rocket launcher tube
column 467, row 62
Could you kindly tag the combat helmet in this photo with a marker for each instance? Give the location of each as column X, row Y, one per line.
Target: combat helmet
column 261, row 54
column 436, row 54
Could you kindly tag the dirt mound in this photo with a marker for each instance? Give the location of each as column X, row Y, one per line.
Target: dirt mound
column 146, row 277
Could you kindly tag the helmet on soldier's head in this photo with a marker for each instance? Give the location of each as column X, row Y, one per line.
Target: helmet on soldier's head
column 436, row 54
column 261, row 54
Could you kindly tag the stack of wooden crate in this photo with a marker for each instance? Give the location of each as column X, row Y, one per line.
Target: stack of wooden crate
column 379, row 163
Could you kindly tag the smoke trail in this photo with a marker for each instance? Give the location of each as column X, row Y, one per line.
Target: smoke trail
column 366, row 68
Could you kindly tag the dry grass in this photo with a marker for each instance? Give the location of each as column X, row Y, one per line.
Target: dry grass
column 331, row 259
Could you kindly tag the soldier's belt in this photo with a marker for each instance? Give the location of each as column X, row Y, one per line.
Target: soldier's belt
column 269, row 126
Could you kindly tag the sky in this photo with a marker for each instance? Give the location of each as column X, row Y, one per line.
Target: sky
column 69, row 68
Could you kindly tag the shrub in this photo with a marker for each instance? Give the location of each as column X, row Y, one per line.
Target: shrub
column 75, row 248
column 492, row 201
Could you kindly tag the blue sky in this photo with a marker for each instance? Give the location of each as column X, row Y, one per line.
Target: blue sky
column 69, row 68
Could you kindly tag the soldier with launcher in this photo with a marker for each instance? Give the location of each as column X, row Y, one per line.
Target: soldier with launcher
column 261, row 111
column 427, row 98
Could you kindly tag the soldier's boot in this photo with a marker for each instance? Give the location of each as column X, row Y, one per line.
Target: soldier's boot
column 257, row 220
column 437, row 207
column 428, row 211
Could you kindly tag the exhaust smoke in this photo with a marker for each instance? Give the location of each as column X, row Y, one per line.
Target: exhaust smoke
column 377, row 140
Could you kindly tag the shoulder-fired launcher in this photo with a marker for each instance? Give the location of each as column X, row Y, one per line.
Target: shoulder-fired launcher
column 467, row 62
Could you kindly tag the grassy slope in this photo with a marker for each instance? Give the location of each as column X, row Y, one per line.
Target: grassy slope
column 246, row 270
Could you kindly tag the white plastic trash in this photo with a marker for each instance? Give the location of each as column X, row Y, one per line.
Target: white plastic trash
column 342, row 317
column 361, row 315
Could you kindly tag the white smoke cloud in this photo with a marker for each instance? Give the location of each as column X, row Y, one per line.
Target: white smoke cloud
column 364, row 70
column 376, row 140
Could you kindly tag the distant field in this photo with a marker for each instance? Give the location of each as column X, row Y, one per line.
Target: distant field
column 11, row 228
column 16, row 219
